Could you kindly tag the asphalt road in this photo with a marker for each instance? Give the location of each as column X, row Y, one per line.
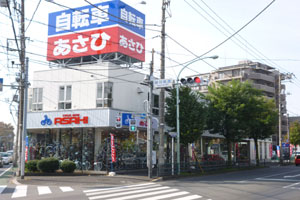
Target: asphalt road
column 276, row 183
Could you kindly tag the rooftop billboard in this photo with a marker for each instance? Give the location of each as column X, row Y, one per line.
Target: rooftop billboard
column 106, row 27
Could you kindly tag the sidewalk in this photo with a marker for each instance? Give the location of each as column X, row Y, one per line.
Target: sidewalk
column 83, row 180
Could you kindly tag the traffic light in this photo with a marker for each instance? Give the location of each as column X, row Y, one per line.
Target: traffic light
column 132, row 125
column 191, row 80
column 118, row 122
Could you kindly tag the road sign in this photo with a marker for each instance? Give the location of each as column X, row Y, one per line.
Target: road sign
column 1, row 84
column 162, row 83
column 173, row 134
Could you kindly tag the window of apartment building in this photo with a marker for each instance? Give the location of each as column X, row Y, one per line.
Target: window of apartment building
column 236, row 72
column 65, row 97
column 221, row 75
column 104, row 95
column 155, row 108
column 37, row 99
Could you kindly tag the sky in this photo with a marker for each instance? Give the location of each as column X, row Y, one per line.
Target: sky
column 193, row 27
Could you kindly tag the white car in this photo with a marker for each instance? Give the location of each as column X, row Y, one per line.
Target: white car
column 5, row 157
column 11, row 154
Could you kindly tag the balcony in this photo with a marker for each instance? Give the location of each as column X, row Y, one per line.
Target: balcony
column 259, row 76
column 264, row 88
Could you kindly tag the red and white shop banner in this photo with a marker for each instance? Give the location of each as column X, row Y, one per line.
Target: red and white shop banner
column 95, row 42
column 113, row 148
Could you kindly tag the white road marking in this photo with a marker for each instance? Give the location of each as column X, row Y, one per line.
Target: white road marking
column 291, row 176
column 122, row 189
column 189, row 197
column 44, row 190
column 291, row 185
column 66, row 189
column 144, row 194
column 20, row 191
column 5, row 171
column 276, row 179
column 279, row 174
column 115, row 188
column 127, row 193
column 166, row 196
column 2, row 187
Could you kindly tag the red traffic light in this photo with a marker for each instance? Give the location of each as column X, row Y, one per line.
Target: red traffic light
column 197, row 79
column 191, row 80
column 118, row 119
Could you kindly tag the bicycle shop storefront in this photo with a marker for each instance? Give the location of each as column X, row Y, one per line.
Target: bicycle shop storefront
column 85, row 137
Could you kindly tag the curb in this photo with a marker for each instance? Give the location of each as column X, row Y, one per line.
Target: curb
column 15, row 181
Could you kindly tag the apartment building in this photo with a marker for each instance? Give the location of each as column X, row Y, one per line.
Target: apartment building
column 261, row 76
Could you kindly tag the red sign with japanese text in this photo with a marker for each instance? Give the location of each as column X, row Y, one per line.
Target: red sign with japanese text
column 94, row 42
column 113, row 148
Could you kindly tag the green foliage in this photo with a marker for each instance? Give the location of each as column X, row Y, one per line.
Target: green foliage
column 228, row 110
column 192, row 114
column 295, row 133
column 68, row 166
column 48, row 164
column 31, row 166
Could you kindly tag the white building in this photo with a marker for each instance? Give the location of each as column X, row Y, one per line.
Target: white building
column 73, row 110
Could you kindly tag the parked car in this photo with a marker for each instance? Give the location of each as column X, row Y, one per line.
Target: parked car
column 11, row 154
column 5, row 158
column 213, row 158
column 297, row 160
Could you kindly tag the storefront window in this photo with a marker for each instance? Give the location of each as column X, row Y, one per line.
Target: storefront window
column 72, row 144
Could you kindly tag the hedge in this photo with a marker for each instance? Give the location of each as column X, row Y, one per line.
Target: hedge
column 31, row 166
column 48, row 164
column 68, row 166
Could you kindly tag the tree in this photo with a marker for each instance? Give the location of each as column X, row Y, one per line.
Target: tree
column 261, row 119
column 192, row 114
column 227, row 110
column 6, row 136
column 295, row 133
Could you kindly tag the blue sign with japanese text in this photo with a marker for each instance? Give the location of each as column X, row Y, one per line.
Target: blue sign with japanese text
column 1, row 84
column 97, row 15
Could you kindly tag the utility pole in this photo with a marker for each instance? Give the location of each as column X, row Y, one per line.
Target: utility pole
column 279, row 119
column 162, row 91
column 24, row 133
column 281, row 77
column 149, row 120
column 22, row 81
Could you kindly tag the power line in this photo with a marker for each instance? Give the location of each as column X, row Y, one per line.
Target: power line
column 33, row 14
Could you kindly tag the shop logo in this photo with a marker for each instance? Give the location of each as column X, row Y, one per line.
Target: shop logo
column 69, row 119
column 46, row 121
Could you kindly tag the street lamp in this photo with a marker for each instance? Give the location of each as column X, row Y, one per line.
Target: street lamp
column 177, row 106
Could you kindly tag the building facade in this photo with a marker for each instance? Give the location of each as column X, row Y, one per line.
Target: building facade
column 73, row 111
column 262, row 77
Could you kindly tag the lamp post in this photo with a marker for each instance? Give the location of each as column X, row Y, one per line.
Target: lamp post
column 177, row 106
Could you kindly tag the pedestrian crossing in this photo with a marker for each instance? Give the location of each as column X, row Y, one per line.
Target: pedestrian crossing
column 145, row 191
column 23, row 190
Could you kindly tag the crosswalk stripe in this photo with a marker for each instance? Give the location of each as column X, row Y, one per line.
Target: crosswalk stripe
column 122, row 189
column 66, row 189
column 115, row 188
column 2, row 187
column 144, row 194
column 127, row 193
column 44, row 190
column 189, row 197
column 20, row 191
column 166, row 196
